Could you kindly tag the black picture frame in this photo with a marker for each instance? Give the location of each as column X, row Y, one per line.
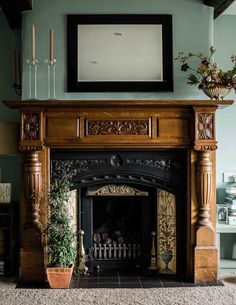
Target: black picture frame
column 76, row 85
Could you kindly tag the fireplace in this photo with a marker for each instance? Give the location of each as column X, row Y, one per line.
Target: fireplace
column 120, row 203
column 163, row 149
column 118, row 239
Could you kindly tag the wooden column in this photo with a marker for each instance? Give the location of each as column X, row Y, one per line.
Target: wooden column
column 31, row 252
column 205, row 144
column 204, row 188
column 32, row 188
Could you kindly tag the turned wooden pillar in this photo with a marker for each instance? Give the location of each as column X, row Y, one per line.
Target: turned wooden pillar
column 31, row 248
column 32, row 188
column 204, row 188
column 205, row 252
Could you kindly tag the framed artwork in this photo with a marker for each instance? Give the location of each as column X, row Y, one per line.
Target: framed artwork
column 119, row 53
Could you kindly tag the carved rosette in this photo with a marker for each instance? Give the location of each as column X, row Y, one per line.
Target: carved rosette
column 32, row 188
column 118, row 127
column 204, row 188
column 205, row 131
column 31, row 126
column 205, row 126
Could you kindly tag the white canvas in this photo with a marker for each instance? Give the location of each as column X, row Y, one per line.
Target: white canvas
column 120, row 52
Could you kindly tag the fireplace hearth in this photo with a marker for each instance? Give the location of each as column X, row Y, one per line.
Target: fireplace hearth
column 166, row 148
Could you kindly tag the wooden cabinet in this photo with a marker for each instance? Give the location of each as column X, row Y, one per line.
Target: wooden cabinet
column 9, row 249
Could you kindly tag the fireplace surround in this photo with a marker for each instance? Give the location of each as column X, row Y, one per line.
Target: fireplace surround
column 118, row 128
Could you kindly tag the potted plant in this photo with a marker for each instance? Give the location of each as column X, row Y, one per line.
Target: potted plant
column 214, row 82
column 60, row 239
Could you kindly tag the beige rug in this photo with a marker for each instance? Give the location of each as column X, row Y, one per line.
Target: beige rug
column 210, row 295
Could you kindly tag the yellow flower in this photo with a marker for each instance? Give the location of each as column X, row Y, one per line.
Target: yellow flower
column 202, row 68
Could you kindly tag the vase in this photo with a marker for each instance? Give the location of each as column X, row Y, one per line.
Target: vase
column 217, row 92
column 166, row 257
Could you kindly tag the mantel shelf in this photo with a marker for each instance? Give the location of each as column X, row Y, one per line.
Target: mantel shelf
column 116, row 103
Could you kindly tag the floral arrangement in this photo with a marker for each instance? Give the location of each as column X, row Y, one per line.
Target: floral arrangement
column 208, row 74
column 167, row 234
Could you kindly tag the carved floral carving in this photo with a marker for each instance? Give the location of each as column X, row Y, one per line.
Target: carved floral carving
column 165, row 164
column 71, row 168
column 31, row 126
column 205, row 126
column 117, row 190
column 118, row 127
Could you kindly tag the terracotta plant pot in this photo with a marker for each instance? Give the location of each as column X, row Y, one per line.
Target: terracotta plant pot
column 59, row 277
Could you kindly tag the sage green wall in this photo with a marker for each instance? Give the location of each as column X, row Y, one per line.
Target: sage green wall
column 8, row 41
column 225, row 43
column 192, row 31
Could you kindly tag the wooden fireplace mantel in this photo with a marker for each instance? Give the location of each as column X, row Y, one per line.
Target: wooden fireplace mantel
column 166, row 124
column 114, row 103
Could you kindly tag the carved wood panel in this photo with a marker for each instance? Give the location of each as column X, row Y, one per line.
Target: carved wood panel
column 31, row 126
column 205, row 126
column 117, row 127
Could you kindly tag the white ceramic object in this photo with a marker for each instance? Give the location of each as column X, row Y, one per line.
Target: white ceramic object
column 216, row 93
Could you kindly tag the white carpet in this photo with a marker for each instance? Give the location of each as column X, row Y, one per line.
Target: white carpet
column 213, row 295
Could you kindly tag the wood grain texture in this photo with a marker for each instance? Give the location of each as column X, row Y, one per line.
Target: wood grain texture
column 205, row 270
column 32, row 188
column 72, row 104
column 32, row 266
column 204, row 187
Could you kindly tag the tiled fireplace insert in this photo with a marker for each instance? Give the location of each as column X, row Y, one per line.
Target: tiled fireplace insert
column 161, row 152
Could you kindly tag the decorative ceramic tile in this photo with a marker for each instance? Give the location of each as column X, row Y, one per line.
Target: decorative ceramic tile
column 72, row 206
column 166, row 232
column 5, row 192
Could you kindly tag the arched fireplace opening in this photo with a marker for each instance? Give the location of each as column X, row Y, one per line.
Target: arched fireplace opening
column 119, row 219
column 121, row 198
